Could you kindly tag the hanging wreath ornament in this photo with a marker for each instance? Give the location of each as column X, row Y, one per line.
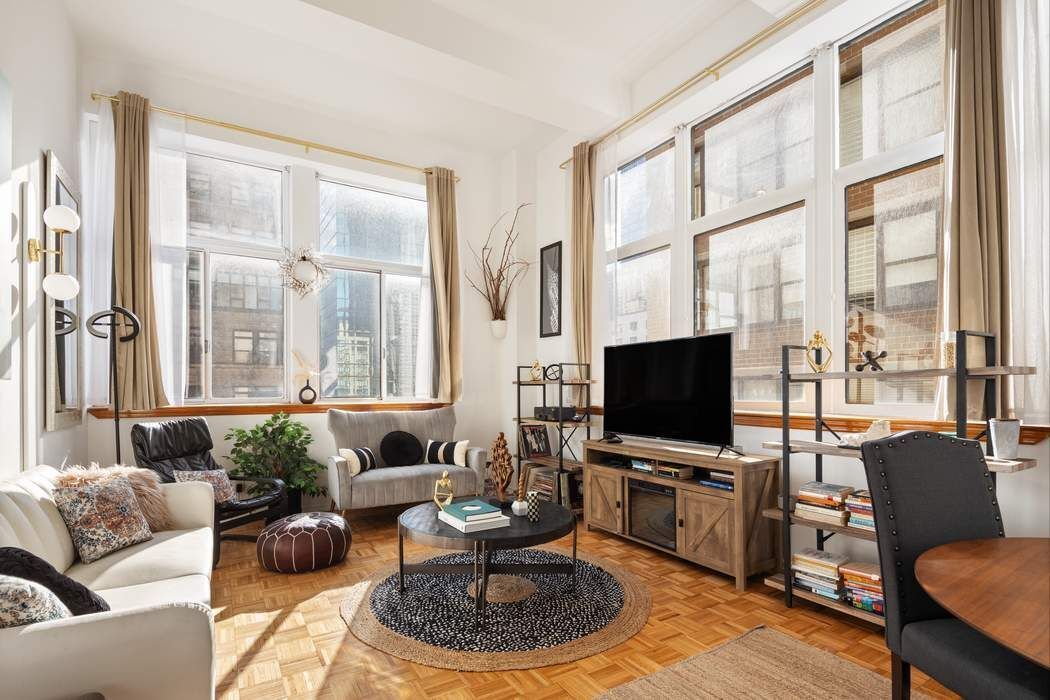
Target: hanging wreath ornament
column 302, row 271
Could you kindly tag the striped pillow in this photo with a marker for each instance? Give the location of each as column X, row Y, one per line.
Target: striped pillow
column 360, row 459
column 447, row 452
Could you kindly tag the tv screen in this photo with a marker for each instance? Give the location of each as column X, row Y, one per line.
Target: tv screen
column 679, row 389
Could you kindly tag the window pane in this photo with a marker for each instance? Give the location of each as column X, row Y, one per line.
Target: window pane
column 238, row 368
column 640, row 288
column 407, row 322
column 362, row 223
column 645, row 196
column 759, row 145
column 194, row 326
column 890, row 84
column 349, row 308
column 233, row 201
column 893, row 274
column 749, row 280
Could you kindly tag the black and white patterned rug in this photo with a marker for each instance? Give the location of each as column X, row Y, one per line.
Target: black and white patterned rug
column 437, row 609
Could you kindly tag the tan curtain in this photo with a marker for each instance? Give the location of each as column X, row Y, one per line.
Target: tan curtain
column 976, row 275
column 582, row 250
column 138, row 362
column 444, row 261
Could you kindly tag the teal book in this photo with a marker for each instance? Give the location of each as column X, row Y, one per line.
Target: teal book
column 468, row 511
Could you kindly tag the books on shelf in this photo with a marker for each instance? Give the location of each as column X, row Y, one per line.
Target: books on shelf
column 490, row 523
column 716, row 484
column 861, row 515
column 821, row 514
column 468, row 511
column 863, row 586
column 818, row 572
column 823, row 502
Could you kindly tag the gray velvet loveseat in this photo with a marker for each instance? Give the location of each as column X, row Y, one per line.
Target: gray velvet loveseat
column 385, row 485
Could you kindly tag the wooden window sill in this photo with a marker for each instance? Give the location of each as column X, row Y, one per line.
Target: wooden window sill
column 262, row 409
column 1030, row 434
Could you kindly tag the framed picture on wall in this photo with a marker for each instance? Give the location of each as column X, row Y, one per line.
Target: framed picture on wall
column 550, row 290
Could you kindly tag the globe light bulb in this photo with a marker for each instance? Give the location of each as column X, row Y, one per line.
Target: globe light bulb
column 60, row 286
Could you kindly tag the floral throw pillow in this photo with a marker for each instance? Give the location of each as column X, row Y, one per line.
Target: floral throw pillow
column 218, row 478
column 24, row 602
column 102, row 517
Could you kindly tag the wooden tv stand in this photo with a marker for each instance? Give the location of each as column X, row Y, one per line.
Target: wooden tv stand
column 722, row 530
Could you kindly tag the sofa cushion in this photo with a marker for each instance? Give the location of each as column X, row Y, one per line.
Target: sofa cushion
column 194, row 588
column 169, row 554
column 24, row 602
column 145, row 484
column 29, row 518
column 74, row 595
column 406, row 484
column 447, row 452
column 359, row 459
column 401, row 449
column 218, row 478
column 102, row 517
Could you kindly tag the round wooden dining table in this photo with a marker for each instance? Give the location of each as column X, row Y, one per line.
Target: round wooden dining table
column 999, row 586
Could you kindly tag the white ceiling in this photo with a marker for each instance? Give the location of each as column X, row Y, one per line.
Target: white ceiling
column 482, row 74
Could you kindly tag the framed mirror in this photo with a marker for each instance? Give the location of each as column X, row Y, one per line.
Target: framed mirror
column 63, row 368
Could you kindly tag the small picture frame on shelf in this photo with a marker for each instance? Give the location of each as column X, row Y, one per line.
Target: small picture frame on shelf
column 534, row 441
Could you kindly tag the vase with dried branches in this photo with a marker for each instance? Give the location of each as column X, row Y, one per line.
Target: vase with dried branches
column 499, row 270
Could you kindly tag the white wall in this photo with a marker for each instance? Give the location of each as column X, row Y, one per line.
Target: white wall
column 38, row 55
column 478, row 194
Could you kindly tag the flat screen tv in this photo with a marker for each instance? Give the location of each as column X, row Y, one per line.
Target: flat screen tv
column 679, row 389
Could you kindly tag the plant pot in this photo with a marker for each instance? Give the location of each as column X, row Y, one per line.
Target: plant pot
column 499, row 329
column 295, row 501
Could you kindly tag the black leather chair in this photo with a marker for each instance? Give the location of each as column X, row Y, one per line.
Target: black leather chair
column 929, row 489
column 185, row 445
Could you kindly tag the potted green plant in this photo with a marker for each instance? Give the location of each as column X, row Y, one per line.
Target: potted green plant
column 276, row 448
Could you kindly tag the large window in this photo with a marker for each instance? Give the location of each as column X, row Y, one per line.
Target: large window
column 235, row 302
column 376, row 337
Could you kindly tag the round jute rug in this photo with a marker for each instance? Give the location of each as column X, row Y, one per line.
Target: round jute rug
column 433, row 623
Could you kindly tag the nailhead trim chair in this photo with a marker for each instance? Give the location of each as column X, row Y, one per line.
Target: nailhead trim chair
column 186, row 445
column 930, row 489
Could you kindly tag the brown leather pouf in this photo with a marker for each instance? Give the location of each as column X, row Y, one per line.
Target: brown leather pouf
column 303, row 542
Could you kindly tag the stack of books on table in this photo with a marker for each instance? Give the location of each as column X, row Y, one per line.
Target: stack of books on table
column 863, row 582
column 473, row 516
column 818, row 572
column 822, row 502
column 861, row 516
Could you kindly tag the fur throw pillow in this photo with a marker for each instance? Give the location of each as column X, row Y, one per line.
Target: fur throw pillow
column 144, row 482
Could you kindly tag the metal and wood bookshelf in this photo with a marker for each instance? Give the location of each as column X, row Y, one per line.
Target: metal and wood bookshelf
column 990, row 373
column 566, row 429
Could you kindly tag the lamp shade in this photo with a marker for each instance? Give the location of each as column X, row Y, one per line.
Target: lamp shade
column 59, row 217
column 60, row 286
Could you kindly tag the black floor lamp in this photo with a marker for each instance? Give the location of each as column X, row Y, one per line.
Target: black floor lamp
column 112, row 318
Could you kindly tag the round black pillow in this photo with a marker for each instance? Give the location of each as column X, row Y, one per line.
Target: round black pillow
column 400, row 449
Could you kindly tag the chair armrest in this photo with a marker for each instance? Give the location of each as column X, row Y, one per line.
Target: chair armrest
column 273, row 483
column 477, row 459
column 192, row 504
column 114, row 653
column 339, row 482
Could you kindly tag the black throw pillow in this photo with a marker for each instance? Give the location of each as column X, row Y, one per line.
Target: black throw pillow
column 76, row 596
column 400, row 449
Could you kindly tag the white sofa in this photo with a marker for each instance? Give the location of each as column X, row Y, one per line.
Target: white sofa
column 155, row 642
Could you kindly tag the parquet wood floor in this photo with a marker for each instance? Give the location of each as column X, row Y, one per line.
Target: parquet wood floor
column 279, row 636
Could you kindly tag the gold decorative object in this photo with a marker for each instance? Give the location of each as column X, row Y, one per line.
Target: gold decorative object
column 522, row 478
column 443, row 493
column 536, row 371
column 502, row 470
column 818, row 342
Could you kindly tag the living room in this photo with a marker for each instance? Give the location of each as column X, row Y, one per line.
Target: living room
column 448, row 348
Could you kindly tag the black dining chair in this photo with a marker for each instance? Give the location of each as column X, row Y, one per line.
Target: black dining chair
column 186, row 445
column 929, row 489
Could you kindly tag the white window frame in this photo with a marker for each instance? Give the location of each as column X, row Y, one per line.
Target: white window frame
column 209, row 246
column 384, row 269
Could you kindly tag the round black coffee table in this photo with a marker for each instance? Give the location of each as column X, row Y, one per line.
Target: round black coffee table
column 420, row 524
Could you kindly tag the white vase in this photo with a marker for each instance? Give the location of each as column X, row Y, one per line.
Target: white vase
column 519, row 508
column 499, row 329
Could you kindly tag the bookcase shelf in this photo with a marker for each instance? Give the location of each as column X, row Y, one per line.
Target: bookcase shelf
column 995, row 465
column 796, row 519
column 777, row 581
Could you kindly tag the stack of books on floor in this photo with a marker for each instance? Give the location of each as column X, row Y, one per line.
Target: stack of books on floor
column 861, row 516
column 473, row 516
column 822, row 502
column 863, row 582
column 719, row 480
column 818, row 572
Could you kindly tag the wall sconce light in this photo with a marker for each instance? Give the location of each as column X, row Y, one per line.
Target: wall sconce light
column 62, row 220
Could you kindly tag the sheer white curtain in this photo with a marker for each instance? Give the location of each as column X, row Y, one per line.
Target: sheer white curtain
column 167, row 222
column 97, row 160
column 1026, row 79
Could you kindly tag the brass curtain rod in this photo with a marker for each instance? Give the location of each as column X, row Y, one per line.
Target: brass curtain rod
column 274, row 136
column 711, row 70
